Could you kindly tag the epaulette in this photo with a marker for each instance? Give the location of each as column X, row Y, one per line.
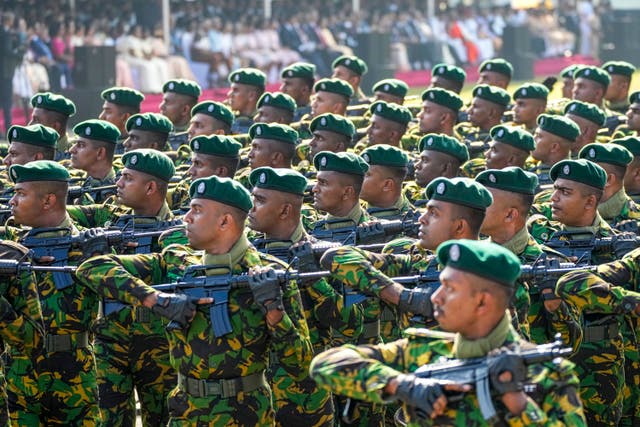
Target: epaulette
column 428, row 333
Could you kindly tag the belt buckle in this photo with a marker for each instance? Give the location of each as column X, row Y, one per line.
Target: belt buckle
column 228, row 388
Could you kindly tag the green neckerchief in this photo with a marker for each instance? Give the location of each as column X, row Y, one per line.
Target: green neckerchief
column 354, row 215
column 227, row 261
column 466, row 349
column 613, row 206
column 593, row 228
column 518, row 243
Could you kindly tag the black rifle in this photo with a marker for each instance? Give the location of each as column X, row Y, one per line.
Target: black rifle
column 582, row 245
column 351, row 234
column 77, row 191
column 142, row 233
column 11, row 267
column 196, row 285
column 475, row 371
column 544, row 273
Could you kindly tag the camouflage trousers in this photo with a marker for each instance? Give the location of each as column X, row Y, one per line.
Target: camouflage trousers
column 141, row 363
column 249, row 409
column 631, row 402
column 359, row 413
column 4, row 409
column 59, row 389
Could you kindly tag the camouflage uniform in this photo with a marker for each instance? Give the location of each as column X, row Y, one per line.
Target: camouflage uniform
column 89, row 197
column 619, row 207
column 362, row 372
column 57, row 385
column 401, row 209
column 242, row 123
column 106, row 214
column 196, row 354
column 471, row 168
column 476, row 139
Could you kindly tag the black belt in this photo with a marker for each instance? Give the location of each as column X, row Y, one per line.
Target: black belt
column 224, row 388
column 67, row 342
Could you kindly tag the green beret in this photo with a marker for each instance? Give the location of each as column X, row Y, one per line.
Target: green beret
column 512, row 179
column 223, row 190
column 353, row 63
column 634, row 98
column 97, row 130
column 567, row 72
column 274, row 131
column 514, row 136
column 459, row 191
column 217, row 110
column 334, row 86
column 280, row 179
column 390, row 111
column 492, row 94
column 343, row 162
column 215, row 145
column 39, row 135
column 183, row 87
column 531, row 90
column 622, row 68
column 631, row 143
column 443, row 97
column 583, row 171
column 39, row 170
column 277, row 100
column 497, row 65
column 333, row 123
column 151, row 122
column 482, row 258
column 248, row 76
column 393, row 87
column 449, row 72
column 53, row 102
column 561, row 126
column 302, row 70
column 445, row 144
column 123, row 96
column 587, row 111
column 614, row 154
column 150, row 161
column 385, row 155
column 593, row 73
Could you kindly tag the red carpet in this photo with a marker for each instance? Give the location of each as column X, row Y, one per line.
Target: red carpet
column 542, row 67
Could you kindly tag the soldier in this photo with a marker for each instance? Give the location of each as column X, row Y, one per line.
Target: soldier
column 530, row 102
column 567, row 80
column 449, row 77
column 247, row 85
column 119, row 104
column 382, row 185
column 553, row 138
column 390, row 91
column 57, row 385
column 178, row 99
column 30, row 143
column 439, row 113
column 479, row 279
column 633, row 117
column 351, row 69
column 53, row 111
column 276, row 107
column 141, row 190
column 440, row 156
column 509, row 146
column 148, row 130
column 330, row 96
column 632, row 176
column 92, row 152
column 589, row 119
column 495, row 72
column 208, row 118
column 590, row 85
column 221, row 379
column 297, row 82
column 387, row 125
column 617, row 95
column 487, row 107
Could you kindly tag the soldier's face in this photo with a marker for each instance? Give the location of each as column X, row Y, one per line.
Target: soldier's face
column 239, row 96
column 201, row 166
column 498, row 155
column 294, row 87
column 568, row 202
column 479, row 112
column 40, row 116
column 268, row 114
column 443, row 83
column 526, row 111
column 83, row 154
column 455, row 301
column 633, row 116
column 328, row 193
column 267, row 206
column 586, row 90
column 381, row 131
column 430, row 166
column 27, row 202
column 437, row 224
column 387, row 97
column 618, row 88
column 133, row 188
column 543, row 140
column 19, row 154
column 374, row 184
column 173, row 107
column 139, row 139
column 323, row 102
column 496, row 215
column 202, row 222
column 324, row 140
column 260, row 153
column 201, row 124
column 567, row 87
column 111, row 113
column 491, row 78
column 431, row 117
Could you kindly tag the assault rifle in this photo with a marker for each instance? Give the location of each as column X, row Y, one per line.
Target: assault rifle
column 544, row 273
column 10, row 267
column 582, row 245
column 143, row 233
column 77, row 191
column 376, row 232
column 476, row 371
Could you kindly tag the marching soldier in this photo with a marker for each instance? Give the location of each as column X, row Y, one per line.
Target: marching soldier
column 119, row 104
column 390, row 91
column 617, row 95
column 589, row 119
column 148, row 130
column 495, row 72
column 632, row 176
column 330, row 132
column 297, row 82
column 530, row 101
column 553, row 138
column 247, row 85
column 179, row 97
column 387, row 125
column 351, row 69
column 30, row 143
column 276, row 107
column 208, row 118
column 449, row 77
column 52, row 110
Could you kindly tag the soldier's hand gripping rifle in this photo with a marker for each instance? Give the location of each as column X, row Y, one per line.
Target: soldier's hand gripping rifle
column 580, row 246
column 376, row 232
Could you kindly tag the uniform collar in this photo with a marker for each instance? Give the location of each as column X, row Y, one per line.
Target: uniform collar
column 518, row 243
column 614, row 205
column 229, row 259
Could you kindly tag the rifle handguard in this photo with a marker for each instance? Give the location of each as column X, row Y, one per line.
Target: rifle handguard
column 417, row 301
